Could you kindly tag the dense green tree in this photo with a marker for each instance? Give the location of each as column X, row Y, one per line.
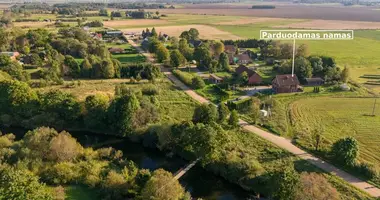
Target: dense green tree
column 185, row 49
column 63, row 105
column 332, row 74
column 162, row 186
column 316, row 64
column 17, row 97
column 194, row 34
column 346, row 151
column 73, row 66
column 162, row 53
column 96, row 107
column 203, row 56
column 197, row 82
column 154, row 33
column 223, row 62
column 154, row 43
column 63, row 148
column 243, row 78
column 234, row 119
column 86, row 68
column 223, row 112
column 205, row 113
column 177, row 59
column 21, row 185
column 345, row 75
column 303, row 68
column 107, row 69
column 284, row 184
column 121, row 112
column 4, row 60
column 302, row 51
column 16, row 71
column 254, row 109
column 218, row 48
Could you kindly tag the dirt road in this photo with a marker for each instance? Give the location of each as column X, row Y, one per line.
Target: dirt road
column 277, row 140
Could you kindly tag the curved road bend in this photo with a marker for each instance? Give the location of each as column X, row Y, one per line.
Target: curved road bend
column 277, row 140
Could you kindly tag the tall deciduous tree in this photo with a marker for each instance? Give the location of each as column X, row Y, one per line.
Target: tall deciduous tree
column 303, row 68
column 162, row 53
column 162, row 186
column 346, row 150
column 185, row 49
column 20, row 185
column 218, row 48
column 205, row 113
column 285, row 183
column 234, row 118
column 176, row 58
column 223, row 112
column 345, row 75
column 223, row 62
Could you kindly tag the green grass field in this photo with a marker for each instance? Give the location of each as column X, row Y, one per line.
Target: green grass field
column 131, row 57
column 340, row 117
column 174, row 106
column 78, row 192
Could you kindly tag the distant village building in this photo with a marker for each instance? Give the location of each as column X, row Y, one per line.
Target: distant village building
column 286, row 83
column 195, row 43
column 253, row 77
column 12, row 55
column 116, row 50
column 244, row 59
column 314, row 81
column 215, row 79
column 230, row 49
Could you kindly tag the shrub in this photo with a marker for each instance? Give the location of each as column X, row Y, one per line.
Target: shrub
column 346, row 150
column 184, row 77
column 150, row 90
column 367, row 169
column 197, row 83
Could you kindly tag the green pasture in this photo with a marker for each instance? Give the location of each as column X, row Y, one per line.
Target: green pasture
column 340, row 117
column 78, row 192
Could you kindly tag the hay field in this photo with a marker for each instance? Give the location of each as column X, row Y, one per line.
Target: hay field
column 332, row 24
column 340, row 117
column 125, row 23
column 206, row 32
column 297, row 11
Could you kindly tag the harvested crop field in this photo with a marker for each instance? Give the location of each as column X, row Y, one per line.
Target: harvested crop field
column 206, row 32
column 251, row 21
column 332, row 24
column 284, row 11
column 32, row 24
column 134, row 23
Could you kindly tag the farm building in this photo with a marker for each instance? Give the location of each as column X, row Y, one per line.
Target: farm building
column 286, row 83
column 215, row 79
column 253, row 77
column 12, row 55
column 314, row 81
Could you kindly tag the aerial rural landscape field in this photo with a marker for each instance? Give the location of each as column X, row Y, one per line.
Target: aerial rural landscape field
column 176, row 100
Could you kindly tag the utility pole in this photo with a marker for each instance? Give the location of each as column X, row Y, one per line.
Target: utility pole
column 294, row 52
column 374, row 106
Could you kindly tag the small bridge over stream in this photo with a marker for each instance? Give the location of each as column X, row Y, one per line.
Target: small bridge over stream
column 183, row 171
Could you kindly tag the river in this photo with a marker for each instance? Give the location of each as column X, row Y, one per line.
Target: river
column 199, row 182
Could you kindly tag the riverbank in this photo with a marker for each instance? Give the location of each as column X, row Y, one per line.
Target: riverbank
column 198, row 181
